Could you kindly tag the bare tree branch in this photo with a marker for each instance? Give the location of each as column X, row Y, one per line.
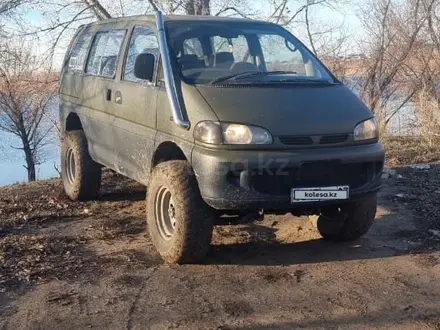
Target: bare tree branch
column 25, row 95
column 153, row 4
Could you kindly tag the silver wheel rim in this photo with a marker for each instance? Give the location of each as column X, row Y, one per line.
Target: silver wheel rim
column 164, row 213
column 70, row 166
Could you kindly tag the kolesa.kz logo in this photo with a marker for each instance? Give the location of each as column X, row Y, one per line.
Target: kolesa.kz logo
column 320, row 194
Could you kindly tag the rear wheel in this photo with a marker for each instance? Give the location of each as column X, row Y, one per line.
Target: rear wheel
column 80, row 174
column 180, row 223
column 348, row 222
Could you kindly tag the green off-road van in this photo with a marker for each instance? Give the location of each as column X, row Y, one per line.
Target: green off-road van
column 216, row 116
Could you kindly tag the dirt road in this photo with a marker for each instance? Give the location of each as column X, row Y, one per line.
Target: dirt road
column 66, row 265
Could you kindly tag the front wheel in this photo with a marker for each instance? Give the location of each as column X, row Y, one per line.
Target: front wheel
column 180, row 223
column 80, row 174
column 348, row 222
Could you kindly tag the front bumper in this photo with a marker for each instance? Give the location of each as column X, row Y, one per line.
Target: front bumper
column 252, row 180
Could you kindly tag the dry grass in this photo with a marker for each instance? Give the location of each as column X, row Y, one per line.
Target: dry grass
column 402, row 151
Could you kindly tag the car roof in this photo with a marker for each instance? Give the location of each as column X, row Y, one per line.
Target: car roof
column 176, row 18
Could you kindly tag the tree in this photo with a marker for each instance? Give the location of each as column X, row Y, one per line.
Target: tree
column 201, row 7
column 26, row 93
column 327, row 39
column 8, row 5
column 396, row 57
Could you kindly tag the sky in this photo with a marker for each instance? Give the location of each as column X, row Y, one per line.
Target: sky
column 344, row 14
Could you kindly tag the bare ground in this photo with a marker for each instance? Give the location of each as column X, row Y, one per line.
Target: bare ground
column 66, row 265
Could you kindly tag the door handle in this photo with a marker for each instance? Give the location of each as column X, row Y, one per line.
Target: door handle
column 108, row 94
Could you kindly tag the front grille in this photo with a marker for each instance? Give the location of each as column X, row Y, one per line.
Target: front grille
column 311, row 140
column 313, row 174
column 296, row 140
column 330, row 139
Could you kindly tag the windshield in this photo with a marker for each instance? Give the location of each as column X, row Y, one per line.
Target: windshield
column 241, row 52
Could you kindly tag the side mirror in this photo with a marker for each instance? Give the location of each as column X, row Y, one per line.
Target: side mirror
column 144, row 66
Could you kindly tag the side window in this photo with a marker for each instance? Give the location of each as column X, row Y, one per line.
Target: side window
column 220, row 44
column 237, row 46
column 193, row 47
column 104, row 53
column 78, row 53
column 143, row 40
column 281, row 56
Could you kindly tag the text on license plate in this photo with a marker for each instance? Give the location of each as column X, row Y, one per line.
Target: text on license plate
column 319, row 194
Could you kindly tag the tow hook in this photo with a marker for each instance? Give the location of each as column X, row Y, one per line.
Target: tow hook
column 252, row 216
column 260, row 216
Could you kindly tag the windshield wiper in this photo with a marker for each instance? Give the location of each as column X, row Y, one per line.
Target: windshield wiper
column 249, row 74
column 308, row 81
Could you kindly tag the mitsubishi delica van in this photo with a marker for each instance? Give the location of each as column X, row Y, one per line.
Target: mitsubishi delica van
column 216, row 116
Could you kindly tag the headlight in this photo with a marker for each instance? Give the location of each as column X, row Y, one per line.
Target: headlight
column 243, row 134
column 229, row 133
column 366, row 130
column 208, row 132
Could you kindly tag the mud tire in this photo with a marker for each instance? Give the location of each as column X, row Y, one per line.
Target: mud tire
column 348, row 222
column 85, row 182
column 193, row 219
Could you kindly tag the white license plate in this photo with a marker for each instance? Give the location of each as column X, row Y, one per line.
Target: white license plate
column 319, row 194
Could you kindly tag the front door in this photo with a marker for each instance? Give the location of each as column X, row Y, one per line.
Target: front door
column 135, row 109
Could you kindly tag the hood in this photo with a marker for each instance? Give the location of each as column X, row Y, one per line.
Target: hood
column 290, row 109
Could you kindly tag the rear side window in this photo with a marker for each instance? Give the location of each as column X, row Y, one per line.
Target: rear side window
column 104, row 53
column 78, row 54
column 143, row 40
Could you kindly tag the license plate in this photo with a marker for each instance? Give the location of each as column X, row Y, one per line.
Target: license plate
column 316, row 194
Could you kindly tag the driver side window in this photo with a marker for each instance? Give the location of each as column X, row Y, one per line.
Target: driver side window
column 279, row 56
column 143, row 40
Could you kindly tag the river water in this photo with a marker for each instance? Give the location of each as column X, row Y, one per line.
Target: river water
column 12, row 171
